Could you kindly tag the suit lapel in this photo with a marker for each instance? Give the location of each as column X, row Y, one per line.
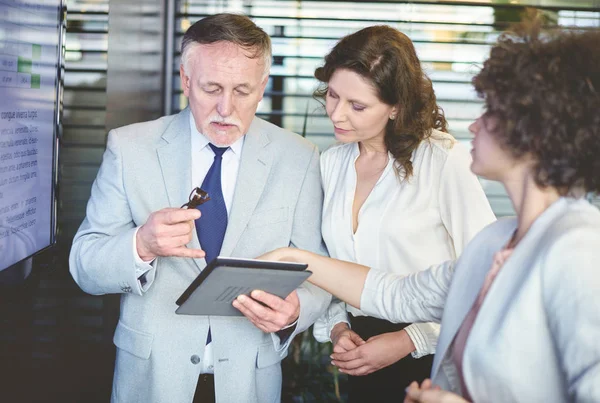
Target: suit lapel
column 175, row 163
column 255, row 165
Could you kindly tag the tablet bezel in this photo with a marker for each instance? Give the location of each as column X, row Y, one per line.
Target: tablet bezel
column 220, row 261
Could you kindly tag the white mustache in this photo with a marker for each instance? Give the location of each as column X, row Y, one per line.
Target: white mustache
column 222, row 120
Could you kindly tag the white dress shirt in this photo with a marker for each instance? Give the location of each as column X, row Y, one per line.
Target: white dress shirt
column 202, row 159
column 404, row 226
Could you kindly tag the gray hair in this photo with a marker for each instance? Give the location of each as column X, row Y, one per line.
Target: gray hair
column 234, row 28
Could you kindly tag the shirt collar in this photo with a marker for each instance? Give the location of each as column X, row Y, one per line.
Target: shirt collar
column 202, row 141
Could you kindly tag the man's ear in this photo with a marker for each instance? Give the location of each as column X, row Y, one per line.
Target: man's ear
column 263, row 86
column 185, row 81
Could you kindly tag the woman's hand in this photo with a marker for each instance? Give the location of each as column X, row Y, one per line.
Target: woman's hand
column 344, row 339
column 281, row 254
column 429, row 393
column 378, row 352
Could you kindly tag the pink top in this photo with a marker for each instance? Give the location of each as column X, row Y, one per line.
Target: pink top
column 460, row 340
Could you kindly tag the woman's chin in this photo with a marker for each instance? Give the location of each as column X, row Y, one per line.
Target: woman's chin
column 475, row 168
column 482, row 173
column 343, row 138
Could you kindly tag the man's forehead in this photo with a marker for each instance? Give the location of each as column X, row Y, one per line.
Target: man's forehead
column 228, row 50
column 220, row 47
column 225, row 61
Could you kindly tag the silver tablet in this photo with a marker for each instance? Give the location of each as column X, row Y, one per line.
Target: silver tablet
column 224, row 278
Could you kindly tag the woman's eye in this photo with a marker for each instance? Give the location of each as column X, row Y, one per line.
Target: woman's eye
column 332, row 95
column 358, row 108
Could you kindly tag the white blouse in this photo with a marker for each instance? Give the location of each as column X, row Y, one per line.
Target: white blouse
column 404, row 226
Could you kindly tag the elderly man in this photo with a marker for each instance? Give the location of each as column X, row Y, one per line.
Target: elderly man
column 264, row 185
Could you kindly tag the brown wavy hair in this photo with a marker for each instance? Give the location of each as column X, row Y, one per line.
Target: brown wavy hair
column 544, row 88
column 387, row 58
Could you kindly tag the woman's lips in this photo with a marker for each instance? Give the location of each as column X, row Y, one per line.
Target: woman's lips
column 339, row 130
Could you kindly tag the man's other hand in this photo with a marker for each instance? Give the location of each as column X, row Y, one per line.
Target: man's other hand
column 166, row 233
column 268, row 312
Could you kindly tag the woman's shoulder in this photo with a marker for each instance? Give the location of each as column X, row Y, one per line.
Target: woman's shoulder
column 442, row 150
column 568, row 257
column 442, row 140
column 571, row 218
column 441, row 146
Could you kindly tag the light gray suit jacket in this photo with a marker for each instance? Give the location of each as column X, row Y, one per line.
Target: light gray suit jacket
column 277, row 202
column 535, row 338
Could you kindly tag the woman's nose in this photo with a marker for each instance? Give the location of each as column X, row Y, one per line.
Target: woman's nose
column 338, row 113
column 474, row 127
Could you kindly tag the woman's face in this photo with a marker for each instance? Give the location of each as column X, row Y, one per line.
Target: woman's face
column 490, row 160
column 355, row 109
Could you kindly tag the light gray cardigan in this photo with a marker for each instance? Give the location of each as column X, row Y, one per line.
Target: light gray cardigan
column 537, row 335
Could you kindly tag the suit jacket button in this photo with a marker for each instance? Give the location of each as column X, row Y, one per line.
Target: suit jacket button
column 195, row 359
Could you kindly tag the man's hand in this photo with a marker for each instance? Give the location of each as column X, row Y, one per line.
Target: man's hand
column 268, row 312
column 166, row 233
column 377, row 352
column 429, row 393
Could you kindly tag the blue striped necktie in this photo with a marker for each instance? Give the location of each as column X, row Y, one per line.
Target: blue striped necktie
column 211, row 226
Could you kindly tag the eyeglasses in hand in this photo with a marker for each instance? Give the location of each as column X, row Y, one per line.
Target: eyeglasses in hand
column 197, row 197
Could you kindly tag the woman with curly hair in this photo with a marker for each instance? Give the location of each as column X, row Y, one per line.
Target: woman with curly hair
column 520, row 308
column 399, row 196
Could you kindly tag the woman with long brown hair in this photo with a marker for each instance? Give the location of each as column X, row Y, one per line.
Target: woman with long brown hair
column 399, row 196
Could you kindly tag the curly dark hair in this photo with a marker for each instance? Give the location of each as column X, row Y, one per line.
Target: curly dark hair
column 387, row 58
column 543, row 86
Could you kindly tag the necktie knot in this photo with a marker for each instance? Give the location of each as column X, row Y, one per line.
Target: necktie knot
column 218, row 150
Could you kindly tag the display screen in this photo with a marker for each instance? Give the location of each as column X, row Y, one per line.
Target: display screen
column 31, row 35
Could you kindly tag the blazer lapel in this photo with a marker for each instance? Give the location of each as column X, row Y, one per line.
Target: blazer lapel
column 466, row 286
column 175, row 163
column 510, row 279
column 175, row 159
column 255, row 165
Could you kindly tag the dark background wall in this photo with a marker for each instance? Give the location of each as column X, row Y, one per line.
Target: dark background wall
column 55, row 340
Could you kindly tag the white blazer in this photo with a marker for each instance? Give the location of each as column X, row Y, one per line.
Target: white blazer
column 277, row 202
column 536, row 337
